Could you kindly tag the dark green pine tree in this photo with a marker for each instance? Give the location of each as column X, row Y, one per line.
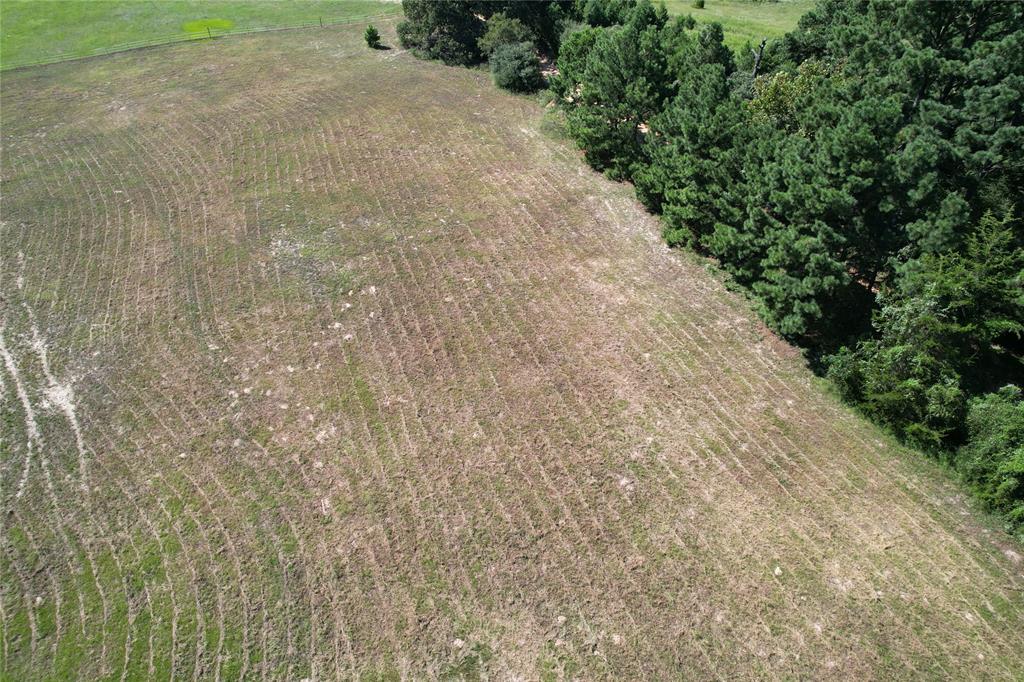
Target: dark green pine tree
column 817, row 33
column 572, row 64
column 799, row 272
column 606, row 12
column 855, row 144
column 906, row 128
column 695, row 148
column 624, row 84
column 955, row 71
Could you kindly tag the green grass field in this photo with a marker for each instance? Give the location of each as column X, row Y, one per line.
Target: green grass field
column 34, row 30
column 743, row 20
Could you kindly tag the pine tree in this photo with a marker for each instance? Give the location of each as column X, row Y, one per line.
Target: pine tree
column 624, row 84
column 572, row 63
column 799, row 269
column 606, row 12
column 695, row 151
column 372, row 36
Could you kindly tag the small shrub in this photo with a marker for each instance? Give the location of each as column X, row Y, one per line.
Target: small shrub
column 372, row 37
column 503, row 30
column 516, row 68
column 698, row 4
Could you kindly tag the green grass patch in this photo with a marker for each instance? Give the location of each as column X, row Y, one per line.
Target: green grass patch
column 203, row 25
column 472, row 666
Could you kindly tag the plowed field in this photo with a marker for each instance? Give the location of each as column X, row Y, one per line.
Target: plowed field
column 324, row 362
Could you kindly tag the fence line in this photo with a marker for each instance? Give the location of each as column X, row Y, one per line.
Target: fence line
column 209, row 34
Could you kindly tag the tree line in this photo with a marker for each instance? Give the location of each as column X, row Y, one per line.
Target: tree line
column 862, row 178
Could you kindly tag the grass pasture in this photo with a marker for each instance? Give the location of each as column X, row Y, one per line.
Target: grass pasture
column 745, row 20
column 37, row 30
column 323, row 362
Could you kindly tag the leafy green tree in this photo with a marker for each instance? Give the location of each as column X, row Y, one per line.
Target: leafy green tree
column 450, row 30
column 503, row 30
column 545, row 19
column 777, row 98
column 993, row 457
column 981, row 287
column 516, row 67
column 900, row 379
column 935, row 327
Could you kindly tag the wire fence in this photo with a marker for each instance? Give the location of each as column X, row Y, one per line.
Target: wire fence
column 208, row 34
